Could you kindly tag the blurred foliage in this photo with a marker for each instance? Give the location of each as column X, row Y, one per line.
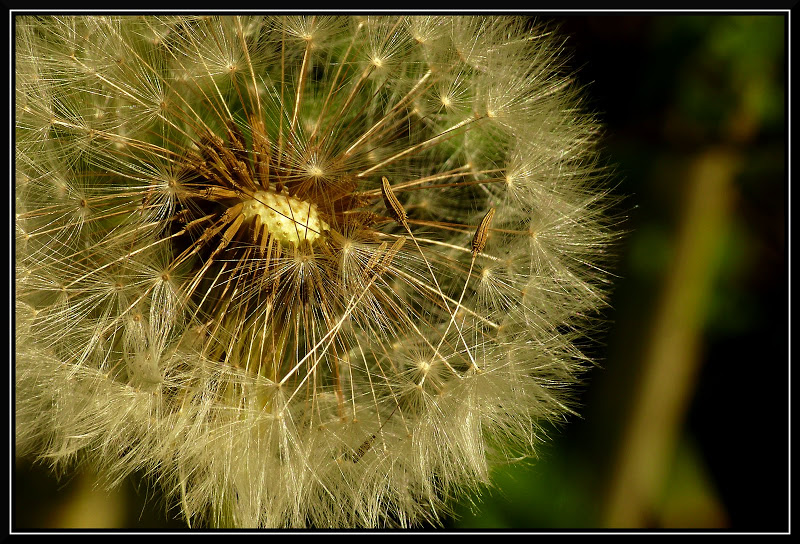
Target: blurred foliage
column 670, row 89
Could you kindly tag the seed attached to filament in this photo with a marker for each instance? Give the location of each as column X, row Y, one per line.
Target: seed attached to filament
column 364, row 448
column 390, row 254
column 482, row 233
column 392, row 204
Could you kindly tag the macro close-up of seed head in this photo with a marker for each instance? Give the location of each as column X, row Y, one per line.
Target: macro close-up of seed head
column 301, row 271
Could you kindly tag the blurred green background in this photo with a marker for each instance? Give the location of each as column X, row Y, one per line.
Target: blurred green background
column 684, row 424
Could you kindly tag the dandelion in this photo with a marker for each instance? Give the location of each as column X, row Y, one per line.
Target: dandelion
column 302, row 271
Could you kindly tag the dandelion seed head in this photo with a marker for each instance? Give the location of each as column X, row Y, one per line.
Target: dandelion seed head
column 301, row 271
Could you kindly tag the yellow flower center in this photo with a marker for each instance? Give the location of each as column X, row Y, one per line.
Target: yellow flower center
column 288, row 219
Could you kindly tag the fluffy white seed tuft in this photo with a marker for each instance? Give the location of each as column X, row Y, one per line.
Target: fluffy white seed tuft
column 302, row 271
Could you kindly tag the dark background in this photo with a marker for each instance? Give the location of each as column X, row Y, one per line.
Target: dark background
column 674, row 92
column 695, row 114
